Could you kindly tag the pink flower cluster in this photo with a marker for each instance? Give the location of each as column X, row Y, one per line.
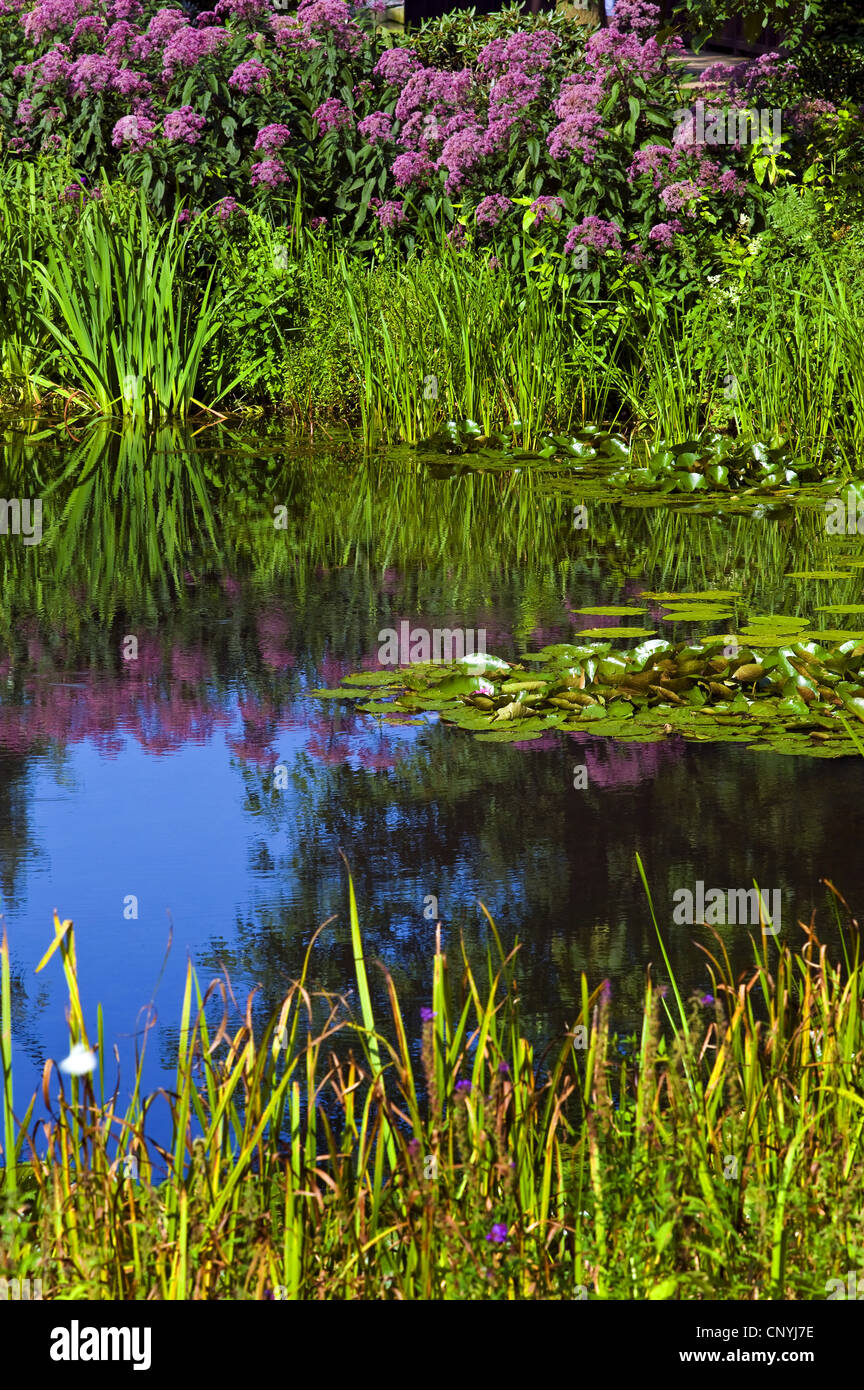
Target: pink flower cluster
column 135, row 131
column 272, row 137
column 594, row 232
column 249, row 76
column 316, row 22
column 751, row 83
column 378, row 126
column 332, row 114
column 184, row 125
column 492, row 210
column 665, row 164
column 390, row 214
column 269, row 173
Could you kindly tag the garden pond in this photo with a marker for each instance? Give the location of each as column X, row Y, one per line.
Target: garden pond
column 175, row 769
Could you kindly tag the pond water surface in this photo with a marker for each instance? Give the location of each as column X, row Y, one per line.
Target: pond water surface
column 140, row 798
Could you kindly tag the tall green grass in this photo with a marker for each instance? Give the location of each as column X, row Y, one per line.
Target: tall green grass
column 131, row 331
column 105, row 306
column 460, row 337
column 717, row 1153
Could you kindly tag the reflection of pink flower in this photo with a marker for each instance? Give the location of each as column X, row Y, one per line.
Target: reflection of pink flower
column 618, row 765
column 274, row 630
column 545, row 637
column 331, row 670
column 370, row 662
column 545, row 741
column 149, row 660
column 190, row 664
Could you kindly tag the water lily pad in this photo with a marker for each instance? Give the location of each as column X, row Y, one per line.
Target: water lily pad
column 777, row 622
column 694, row 596
column 821, row 574
column 841, row 608
column 370, row 678
column 785, row 694
column 616, row 633
column 696, row 613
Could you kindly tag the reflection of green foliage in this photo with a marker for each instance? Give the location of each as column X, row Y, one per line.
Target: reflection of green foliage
column 125, row 514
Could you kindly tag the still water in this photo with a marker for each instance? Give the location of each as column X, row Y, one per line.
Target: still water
column 140, row 798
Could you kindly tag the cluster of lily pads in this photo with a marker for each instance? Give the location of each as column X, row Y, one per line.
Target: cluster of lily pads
column 712, row 463
column 709, row 464
column 767, row 687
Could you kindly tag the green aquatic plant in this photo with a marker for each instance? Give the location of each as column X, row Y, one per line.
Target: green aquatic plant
column 770, row 686
column 130, row 328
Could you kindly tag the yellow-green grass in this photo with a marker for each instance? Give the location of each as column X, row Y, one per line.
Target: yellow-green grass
column 716, row 1154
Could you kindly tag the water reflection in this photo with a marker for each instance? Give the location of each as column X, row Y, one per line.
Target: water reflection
column 155, row 776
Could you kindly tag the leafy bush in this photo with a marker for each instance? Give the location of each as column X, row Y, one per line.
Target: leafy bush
column 267, row 108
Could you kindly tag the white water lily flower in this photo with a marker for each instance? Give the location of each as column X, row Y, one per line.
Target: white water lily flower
column 80, row 1061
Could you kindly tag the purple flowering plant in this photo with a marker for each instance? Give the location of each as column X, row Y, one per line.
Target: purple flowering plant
column 538, row 136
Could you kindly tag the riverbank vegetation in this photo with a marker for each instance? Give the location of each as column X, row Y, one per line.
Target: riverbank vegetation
column 325, row 1153
column 507, row 220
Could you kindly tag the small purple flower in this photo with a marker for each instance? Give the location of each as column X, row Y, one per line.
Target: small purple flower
column 136, row 131
column 272, row 137
column 247, row 77
column 242, row 9
column 498, row 1234
column 184, row 125
column 594, row 232
column 317, row 223
column 226, row 208
column 390, row 215
column 188, row 46
column 165, row 24
column 130, row 83
column 491, row 210
column 396, row 65
column 681, row 197
column 269, row 173
column 463, row 1086
column 664, row 233
column 73, row 191
column 332, row 114
column 412, row 168
column 427, row 1015
column 378, row 126
column 503, row 1069
column 707, row 999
